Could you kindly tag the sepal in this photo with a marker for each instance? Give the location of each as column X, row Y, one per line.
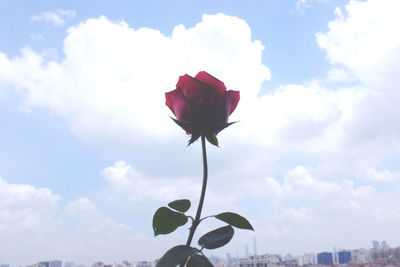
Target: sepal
column 220, row 126
column 185, row 125
column 212, row 138
column 193, row 138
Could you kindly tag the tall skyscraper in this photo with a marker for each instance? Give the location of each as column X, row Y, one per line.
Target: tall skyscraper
column 325, row 258
column 344, row 257
column 228, row 260
column 375, row 244
column 335, row 255
column 383, row 244
column 254, row 245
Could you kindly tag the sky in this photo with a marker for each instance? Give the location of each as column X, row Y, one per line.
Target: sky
column 88, row 151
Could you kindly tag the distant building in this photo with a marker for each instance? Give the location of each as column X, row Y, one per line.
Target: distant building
column 290, row 263
column 335, row 256
column 270, row 260
column 360, row 256
column 228, row 260
column 45, row 263
column 4, row 265
column 309, row 259
column 55, row 263
column 375, row 244
column 344, row 256
column 128, row 263
column 325, row 258
column 288, row 257
column 299, row 260
column 216, row 260
column 386, row 253
column 383, row 244
column 144, row 264
column 69, row 264
column 98, row 264
column 254, row 245
column 36, row 265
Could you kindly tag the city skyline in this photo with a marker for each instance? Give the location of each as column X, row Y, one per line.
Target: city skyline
column 310, row 257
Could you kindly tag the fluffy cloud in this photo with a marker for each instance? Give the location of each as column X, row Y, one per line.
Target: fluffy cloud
column 364, row 40
column 362, row 46
column 352, row 213
column 128, row 184
column 81, row 205
column 25, row 211
column 56, row 18
column 110, row 86
column 125, row 184
column 30, row 216
column 24, row 205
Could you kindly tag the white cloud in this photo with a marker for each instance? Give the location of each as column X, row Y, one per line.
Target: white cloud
column 81, row 205
column 57, row 18
column 111, row 84
column 21, row 195
column 123, row 74
column 341, row 75
column 374, row 172
column 364, row 39
column 76, row 231
column 336, row 197
column 306, row 206
column 303, row 4
column 24, row 205
column 126, row 183
column 307, row 117
column 362, row 44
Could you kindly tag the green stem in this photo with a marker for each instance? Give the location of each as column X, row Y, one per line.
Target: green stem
column 203, row 193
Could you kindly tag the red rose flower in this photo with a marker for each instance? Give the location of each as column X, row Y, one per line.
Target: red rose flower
column 202, row 104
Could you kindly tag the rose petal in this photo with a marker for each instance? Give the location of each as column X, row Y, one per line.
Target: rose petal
column 231, row 100
column 211, row 81
column 220, row 112
column 178, row 105
column 193, row 90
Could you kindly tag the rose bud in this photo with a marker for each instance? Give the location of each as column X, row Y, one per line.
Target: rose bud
column 202, row 105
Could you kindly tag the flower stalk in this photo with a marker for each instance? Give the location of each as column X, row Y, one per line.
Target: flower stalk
column 202, row 195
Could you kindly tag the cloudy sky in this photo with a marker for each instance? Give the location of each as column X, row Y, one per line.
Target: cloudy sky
column 88, row 152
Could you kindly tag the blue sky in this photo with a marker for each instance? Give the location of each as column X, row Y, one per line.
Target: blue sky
column 88, row 152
